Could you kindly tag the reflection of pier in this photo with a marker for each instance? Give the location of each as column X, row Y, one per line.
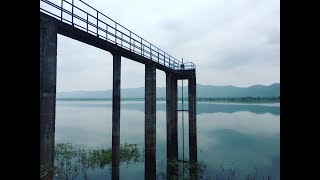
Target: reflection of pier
column 202, row 107
column 118, row 44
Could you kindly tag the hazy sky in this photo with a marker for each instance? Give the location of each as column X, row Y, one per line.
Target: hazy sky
column 232, row 42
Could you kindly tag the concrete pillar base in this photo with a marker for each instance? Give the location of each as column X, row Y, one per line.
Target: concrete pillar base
column 116, row 116
column 172, row 127
column 150, row 121
column 192, row 125
column 48, row 72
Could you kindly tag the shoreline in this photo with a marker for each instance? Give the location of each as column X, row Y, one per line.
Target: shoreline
column 244, row 100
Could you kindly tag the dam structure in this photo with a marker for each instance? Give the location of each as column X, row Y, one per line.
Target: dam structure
column 72, row 18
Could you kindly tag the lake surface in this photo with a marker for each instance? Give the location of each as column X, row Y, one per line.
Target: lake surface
column 239, row 138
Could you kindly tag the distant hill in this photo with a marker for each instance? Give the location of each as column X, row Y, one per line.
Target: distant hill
column 205, row 91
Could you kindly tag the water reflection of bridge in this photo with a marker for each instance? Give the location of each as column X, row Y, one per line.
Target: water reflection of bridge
column 96, row 29
column 202, row 107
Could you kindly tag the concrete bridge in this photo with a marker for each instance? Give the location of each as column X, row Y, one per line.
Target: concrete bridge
column 120, row 42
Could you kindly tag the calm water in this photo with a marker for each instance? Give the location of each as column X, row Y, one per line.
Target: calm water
column 241, row 137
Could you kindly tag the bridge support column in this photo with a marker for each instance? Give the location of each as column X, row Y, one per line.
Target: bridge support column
column 192, row 124
column 116, row 116
column 150, row 121
column 172, row 128
column 48, row 71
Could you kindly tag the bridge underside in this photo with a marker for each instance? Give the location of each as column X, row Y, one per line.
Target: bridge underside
column 49, row 28
column 82, row 36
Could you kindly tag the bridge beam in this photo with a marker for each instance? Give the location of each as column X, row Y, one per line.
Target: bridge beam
column 116, row 116
column 192, row 124
column 48, row 71
column 150, row 121
column 172, row 128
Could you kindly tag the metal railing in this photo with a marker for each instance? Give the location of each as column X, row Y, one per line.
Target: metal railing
column 111, row 31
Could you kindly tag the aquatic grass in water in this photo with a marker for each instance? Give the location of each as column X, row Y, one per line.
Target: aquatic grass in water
column 182, row 170
column 72, row 161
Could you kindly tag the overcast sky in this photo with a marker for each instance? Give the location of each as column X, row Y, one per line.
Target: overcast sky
column 232, row 42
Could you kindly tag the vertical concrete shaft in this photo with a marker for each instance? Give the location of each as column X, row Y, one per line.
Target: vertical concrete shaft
column 172, row 134
column 169, row 114
column 48, row 71
column 116, row 116
column 174, row 127
column 174, row 120
column 150, row 121
column 192, row 125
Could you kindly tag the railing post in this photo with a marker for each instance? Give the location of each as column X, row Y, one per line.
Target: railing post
column 141, row 46
column 115, row 33
column 97, row 24
column 150, row 52
column 164, row 58
column 158, row 55
column 121, row 38
column 169, row 61
column 72, row 14
column 107, row 32
column 174, row 63
column 61, row 9
column 130, row 40
column 87, row 22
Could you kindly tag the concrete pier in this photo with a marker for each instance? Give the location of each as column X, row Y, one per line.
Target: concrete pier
column 172, row 134
column 150, row 121
column 192, row 124
column 116, row 116
column 174, row 120
column 48, row 72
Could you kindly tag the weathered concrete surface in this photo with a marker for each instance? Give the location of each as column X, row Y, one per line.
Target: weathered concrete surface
column 172, row 134
column 116, row 116
column 150, row 121
column 48, row 71
column 192, row 124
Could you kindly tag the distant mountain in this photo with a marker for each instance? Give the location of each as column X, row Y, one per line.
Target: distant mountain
column 204, row 91
column 272, row 90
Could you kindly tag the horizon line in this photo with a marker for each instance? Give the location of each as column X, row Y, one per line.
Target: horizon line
column 178, row 86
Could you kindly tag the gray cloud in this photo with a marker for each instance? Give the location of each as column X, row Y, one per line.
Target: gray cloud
column 233, row 42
